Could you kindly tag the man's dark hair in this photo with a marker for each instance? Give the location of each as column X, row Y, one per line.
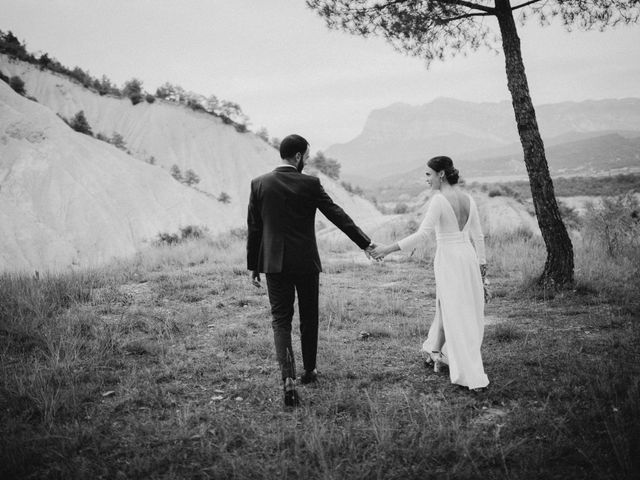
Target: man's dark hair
column 291, row 145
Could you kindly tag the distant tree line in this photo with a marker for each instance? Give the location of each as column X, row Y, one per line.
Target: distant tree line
column 229, row 112
column 606, row 186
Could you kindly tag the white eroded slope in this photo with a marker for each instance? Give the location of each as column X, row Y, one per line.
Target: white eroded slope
column 68, row 199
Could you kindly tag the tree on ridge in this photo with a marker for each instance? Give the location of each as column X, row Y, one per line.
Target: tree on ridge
column 437, row 29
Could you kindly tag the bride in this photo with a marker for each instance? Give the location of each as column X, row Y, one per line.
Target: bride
column 459, row 268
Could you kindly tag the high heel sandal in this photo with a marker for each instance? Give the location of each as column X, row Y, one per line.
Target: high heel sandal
column 434, row 359
column 428, row 361
column 439, row 365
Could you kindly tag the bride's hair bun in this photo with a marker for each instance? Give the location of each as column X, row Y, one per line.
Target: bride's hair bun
column 445, row 164
column 452, row 175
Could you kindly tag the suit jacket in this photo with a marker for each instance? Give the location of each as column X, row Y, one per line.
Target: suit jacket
column 281, row 222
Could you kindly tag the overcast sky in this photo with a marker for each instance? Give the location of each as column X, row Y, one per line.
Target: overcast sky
column 289, row 73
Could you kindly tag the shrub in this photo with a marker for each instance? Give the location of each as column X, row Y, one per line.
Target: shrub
column 13, row 47
column 133, row 90
column 328, row 166
column 149, row 98
column 495, row 192
column 175, row 172
column 614, row 225
column 105, row 86
column 118, row 141
column 224, row 197
column 44, row 61
column 190, row 178
column 168, row 238
column 569, row 216
column 80, row 124
column 186, row 233
column 17, row 84
column 401, row 208
column 192, row 231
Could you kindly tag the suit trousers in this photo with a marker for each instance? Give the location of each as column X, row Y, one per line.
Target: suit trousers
column 282, row 288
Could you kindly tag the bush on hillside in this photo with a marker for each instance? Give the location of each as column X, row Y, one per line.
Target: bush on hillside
column 17, row 84
column 176, row 172
column 118, row 141
column 44, row 61
column 401, row 208
column 80, row 124
column 190, row 178
column 106, row 87
column 168, row 238
column 133, row 90
column 224, row 197
column 82, row 77
column 186, row 233
column 328, row 166
column 192, row 231
column 150, row 98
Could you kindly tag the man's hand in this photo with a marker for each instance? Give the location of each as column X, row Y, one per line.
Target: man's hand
column 255, row 279
column 370, row 252
column 369, row 249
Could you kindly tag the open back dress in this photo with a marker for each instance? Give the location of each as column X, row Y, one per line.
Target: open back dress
column 459, row 314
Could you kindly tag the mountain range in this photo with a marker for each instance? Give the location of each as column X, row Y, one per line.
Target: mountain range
column 580, row 138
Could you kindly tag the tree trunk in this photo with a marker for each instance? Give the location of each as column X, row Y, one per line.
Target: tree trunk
column 558, row 268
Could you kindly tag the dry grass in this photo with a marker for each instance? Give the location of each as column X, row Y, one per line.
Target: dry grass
column 162, row 367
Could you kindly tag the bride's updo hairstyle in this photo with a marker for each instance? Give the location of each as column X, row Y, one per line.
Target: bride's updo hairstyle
column 441, row 163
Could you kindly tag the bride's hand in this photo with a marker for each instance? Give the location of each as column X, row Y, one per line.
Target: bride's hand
column 378, row 252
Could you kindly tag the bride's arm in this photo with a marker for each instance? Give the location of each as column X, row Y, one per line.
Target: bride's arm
column 420, row 237
column 426, row 227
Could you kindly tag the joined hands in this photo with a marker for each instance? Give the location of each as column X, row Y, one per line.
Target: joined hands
column 375, row 252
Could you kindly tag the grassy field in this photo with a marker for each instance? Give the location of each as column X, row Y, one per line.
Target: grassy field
column 163, row 367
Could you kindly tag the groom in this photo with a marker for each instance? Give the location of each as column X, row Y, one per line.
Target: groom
column 281, row 243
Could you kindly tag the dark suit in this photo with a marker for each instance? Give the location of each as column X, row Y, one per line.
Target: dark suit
column 282, row 243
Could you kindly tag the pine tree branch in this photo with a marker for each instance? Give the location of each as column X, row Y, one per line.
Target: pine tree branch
column 525, row 4
column 442, row 21
column 471, row 5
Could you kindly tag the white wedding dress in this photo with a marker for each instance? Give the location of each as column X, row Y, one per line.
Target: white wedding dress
column 459, row 318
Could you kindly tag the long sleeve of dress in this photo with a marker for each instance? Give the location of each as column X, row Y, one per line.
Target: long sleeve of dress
column 475, row 232
column 426, row 227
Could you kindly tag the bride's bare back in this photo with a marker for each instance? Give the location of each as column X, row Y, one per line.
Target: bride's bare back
column 460, row 204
